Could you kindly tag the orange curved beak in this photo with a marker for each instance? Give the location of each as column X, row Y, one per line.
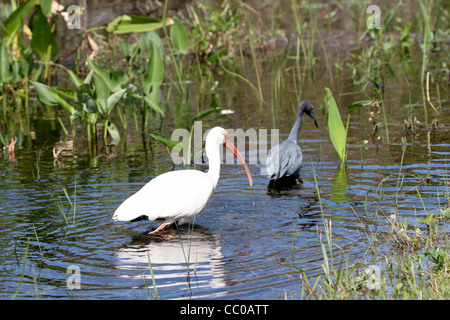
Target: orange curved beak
column 230, row 146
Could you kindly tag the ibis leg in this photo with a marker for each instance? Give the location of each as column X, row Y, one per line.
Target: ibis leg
column 161, row 227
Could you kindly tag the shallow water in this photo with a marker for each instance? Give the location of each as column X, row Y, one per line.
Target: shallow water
column 247, row 243
column 242, row 246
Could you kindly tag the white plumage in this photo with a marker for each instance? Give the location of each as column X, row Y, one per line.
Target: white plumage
column 177, row 196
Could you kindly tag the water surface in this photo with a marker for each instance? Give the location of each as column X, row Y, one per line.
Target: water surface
column 248, row 243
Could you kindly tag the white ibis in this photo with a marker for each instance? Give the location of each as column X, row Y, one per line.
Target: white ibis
column 285, row 160
column 177, row 196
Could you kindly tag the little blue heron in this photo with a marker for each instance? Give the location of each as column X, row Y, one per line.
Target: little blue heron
column 284, row 161
column 179, row 195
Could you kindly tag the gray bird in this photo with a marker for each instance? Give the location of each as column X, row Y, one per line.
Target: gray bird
column 284, row 161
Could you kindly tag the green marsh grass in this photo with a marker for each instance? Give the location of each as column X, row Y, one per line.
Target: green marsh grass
column 155, row 290
column 72, row 212
column 186, row 249
column 415, row 269
column 24, row 263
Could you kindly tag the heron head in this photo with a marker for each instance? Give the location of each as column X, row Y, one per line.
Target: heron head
column 307, row 107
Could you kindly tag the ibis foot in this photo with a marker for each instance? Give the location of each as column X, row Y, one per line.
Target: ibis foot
column 164, row 231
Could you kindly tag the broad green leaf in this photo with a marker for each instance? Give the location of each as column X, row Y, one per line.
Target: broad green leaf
column 46, row 94
column 26, row 65
column 152, row 102
column 114, row 98
column 154, row 74
column 66, row 105
column 125, row 48
column 5, row 73
column 338, row 133
column 98, row 70
column 115, row 23
column 137, row 27
column 118, row 78
column 50, row 97
column 359, row 104
column 203, row 114
column 65, row 92
column 43, row 43
column 102, row 93
column 179, row 36
column 36, row 75
column 148, row 39
column 114, row 133
column 88, row 78
column 164, row 139
column 113, row 79
column 85, row 99
column 14, row 21
column 46, row 6
column 75, row 79
column 132, row 24
column 90, row 106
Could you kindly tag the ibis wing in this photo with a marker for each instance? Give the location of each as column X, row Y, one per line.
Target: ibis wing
column 170, row 196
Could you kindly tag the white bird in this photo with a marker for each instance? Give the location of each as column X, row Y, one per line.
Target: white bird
column 177, row 196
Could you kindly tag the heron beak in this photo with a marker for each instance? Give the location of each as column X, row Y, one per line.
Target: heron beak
column 230, row 146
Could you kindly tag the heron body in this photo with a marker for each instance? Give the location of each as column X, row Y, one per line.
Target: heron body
column 284, row 161
column 177, row 196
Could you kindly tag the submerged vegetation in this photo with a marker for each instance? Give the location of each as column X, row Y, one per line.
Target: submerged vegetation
column 133, row 79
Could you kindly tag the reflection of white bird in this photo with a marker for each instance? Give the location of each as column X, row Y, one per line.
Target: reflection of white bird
column 198, row 261
column 177, row 196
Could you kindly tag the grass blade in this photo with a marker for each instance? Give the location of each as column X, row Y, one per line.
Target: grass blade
column 153, row 276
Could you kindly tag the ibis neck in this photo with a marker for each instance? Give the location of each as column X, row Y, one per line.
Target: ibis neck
column 214, row 164
column 293, row 135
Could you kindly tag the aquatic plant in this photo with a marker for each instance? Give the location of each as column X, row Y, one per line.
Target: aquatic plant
column 337, row 131
column 215, row 29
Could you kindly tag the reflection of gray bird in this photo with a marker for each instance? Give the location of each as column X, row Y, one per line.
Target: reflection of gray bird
column 284, row 161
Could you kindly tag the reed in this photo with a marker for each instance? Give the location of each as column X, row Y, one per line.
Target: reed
column 155, row 289
column 24, row 263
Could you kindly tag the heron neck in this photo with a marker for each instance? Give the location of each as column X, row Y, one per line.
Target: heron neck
column 214, row 164
column 293, row 135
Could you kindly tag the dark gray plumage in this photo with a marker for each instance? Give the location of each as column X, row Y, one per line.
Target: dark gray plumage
column 285, row 159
